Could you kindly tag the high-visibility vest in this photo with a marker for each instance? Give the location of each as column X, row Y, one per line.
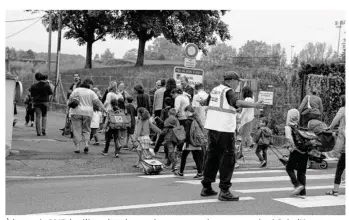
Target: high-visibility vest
column 220, row 115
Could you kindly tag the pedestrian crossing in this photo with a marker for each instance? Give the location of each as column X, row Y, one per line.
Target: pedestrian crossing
column 255, row 183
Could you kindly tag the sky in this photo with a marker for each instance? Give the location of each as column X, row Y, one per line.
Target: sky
column 292, row 27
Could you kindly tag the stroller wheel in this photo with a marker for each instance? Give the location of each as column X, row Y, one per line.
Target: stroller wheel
column 323, row 164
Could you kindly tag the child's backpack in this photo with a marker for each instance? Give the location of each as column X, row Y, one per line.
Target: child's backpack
column 197, row 135
column 119, row 119
column 151, row 166
column 179, row 134
column 304, row 140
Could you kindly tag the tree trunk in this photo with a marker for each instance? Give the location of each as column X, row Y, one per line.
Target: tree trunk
column 88, row 63
column 141, row 48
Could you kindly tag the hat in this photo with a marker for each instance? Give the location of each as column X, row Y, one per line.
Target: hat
column 232, row 75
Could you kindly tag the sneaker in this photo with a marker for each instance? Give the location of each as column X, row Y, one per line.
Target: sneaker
column 208, row 192
column 297, row 190
column 104, row 153
column 178, row 173
column 237, row 165
column 174, row 169
column 264, row 163
column 96, row 144
column 86, row 150
column 227, row 196
column 38, row 134
column 32, row 124
column 116, row 155
column 43, row 133
column 198, row 176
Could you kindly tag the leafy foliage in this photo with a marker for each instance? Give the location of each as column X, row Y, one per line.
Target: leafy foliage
column 107, row 55
column 317, row 53
column 218, row 53
column 179, row 27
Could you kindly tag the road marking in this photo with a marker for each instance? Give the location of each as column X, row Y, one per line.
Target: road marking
column 63, row 177
column 141, row 206
column 235, row 173
column 282, row 189
column 314, row 201
column 263, row 179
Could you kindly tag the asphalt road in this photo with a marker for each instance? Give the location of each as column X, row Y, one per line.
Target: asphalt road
column 262, row 192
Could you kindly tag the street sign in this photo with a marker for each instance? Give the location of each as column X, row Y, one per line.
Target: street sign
column 267, row 97
column 188, row 62
column 191, row 50
column 194, row 75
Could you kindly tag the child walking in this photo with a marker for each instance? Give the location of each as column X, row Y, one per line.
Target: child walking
column 131, row 109
column 143, row 129
column 96, row 120
column 28, row 101
column 190, row 146
column 111, row 131
column 263, row 139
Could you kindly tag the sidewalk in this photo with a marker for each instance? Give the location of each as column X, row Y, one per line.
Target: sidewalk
column 53, row 155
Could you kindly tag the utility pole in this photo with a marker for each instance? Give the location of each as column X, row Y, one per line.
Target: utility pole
column 339, row 25
column 49, row 44
column 292, row 46
column 55, row 93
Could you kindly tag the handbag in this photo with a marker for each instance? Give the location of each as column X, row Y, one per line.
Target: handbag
column 307, row 110
column 74, row 101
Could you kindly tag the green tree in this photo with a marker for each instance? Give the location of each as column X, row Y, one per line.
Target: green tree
column 344, row 51
column 96, row 58
column 219, row 53
column 86, row 26
column 199, row 27
column 30, row 54
column 317, row 53
column 131, row 54
column 164, row 49
column 107, row 55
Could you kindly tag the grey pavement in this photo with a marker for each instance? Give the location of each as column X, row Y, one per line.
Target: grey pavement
column 262, row 192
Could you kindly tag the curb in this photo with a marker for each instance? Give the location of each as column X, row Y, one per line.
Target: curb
column 114, row 174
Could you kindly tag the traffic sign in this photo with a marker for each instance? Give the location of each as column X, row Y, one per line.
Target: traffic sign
column 188, row 62
column 266, row 97
column 194, row 75
column 191, row 50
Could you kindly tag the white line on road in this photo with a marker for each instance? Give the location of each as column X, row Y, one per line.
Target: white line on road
column 282, row 189
column 63, row 177
column 314, row 201
column 263, row 179
column 235, row 173
column 141, row 206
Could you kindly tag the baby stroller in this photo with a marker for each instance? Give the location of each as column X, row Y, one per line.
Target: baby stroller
column 320, row 142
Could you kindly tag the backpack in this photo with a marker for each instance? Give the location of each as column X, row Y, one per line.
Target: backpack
column 119, row 119
column 151, row 166
column 197, row 135
column 179, row 134
column 304, row 140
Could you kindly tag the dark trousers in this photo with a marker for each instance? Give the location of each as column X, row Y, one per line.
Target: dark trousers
column 158, row 144
column 264, row 149
column 197, row 156
column 220, row 156
column 94, row 134
column 41, row 116
column 110, row 134
column 29, row 116
column 157, row 113
column 297, row 161
column 340, row 169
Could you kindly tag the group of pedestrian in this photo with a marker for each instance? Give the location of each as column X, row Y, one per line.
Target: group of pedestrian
column 184, row 119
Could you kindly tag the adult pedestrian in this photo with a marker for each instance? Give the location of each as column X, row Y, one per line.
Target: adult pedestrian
column 310, row 108
column 170, row 85
column 221, row 125
column 76, row 83
column 41, row 92
column 143, row 99
column 339, row 148
column 112, row 94
column 121, row 90
column 198, row 97
column 81, row 115
column 186, row 87
column 159, row 99
column 111, row 84
column 246, row 119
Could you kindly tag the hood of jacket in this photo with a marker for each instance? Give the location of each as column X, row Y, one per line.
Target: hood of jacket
column 292, row 117
column 139, row 88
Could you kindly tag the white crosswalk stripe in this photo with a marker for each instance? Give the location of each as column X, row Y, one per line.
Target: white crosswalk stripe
column 314, row 201
column 279, row 189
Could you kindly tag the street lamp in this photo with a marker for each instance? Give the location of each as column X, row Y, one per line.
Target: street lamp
column 339, row 25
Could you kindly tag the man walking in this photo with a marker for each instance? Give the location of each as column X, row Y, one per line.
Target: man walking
column 221, row 125
column 76, row 83
column 159, row 99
